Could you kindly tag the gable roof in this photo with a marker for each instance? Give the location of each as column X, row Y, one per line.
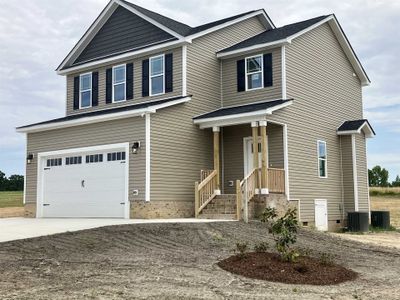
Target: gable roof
column 115, row 113
column 355, row 126
column 180, row 33
column 274, row 34
column 284, row 35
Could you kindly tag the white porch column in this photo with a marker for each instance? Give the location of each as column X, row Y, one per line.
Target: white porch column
column 216, row 131
column 254, row 128
column 264, row 155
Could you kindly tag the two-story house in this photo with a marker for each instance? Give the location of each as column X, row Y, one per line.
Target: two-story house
column 162, row 120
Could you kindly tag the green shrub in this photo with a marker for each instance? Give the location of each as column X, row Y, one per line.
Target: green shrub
column 284, row 231
column 242, row 248
column 326, row 259
column 261, row 247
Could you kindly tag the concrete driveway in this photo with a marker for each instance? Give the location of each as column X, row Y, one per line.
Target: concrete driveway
column 22, row 228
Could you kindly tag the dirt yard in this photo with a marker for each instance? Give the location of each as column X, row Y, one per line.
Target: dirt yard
column 177, row 261
column 387, row 239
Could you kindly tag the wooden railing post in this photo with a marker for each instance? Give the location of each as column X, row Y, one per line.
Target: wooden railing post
column 238, row 200
column 264, row 155
column 216, row 131
column 196, row 199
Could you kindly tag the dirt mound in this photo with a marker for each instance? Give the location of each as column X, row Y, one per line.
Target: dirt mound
column 269, row 266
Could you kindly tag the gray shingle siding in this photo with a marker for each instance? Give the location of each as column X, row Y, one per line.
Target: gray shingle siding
column 122, row 32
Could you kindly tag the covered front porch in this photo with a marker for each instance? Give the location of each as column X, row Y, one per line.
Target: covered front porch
column 238, row 170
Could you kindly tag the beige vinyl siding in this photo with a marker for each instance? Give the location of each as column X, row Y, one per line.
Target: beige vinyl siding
column 320, row 79
column 137, row 83
column 233, row 145
column 179, row 148
column 111, row 132
column 230, row 94
column 362, row 172
column 347, row 169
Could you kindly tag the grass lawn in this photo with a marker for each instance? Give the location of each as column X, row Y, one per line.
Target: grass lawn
column 11, row 199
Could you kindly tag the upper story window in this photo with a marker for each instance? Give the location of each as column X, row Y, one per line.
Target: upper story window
column 322, row 160
column 85, row 93
column 254, row 72
column 119, row 83
column 157, row 75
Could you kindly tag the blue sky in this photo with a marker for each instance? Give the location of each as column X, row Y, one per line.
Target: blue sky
column 35, row 35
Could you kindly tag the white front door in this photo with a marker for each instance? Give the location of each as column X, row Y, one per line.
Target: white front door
column 321, row 214
column 248, row 154
column 85, row 185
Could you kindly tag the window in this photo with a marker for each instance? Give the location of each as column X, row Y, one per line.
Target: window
column 85, row 93
column 116, row 156
column 119, row 83
column 322, row 160
column 94, row 158
column 74, row 160
column 254, row 72
column 54, row 162
column 157, row 75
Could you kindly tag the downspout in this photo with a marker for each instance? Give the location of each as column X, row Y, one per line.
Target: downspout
column 341, row 177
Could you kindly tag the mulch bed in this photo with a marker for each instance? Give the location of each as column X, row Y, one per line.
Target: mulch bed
column 269, row 266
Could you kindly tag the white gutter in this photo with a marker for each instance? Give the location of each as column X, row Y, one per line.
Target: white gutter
column 102, row 118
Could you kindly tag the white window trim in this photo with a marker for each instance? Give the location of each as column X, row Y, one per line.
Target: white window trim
column 325, row 159
column 114, row 84
column 262, row 72
column 81, row 91
column 150, row 76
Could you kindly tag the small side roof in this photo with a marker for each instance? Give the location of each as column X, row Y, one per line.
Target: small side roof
column 232, row 115
column 104, row 114
column 356, row 126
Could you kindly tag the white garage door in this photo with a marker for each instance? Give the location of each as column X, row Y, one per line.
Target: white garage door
column 85, row 184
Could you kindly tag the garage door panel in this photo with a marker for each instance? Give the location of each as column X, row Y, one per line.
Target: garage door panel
column 86, row 189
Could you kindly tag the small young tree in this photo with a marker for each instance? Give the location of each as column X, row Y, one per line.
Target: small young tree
column 284, row 231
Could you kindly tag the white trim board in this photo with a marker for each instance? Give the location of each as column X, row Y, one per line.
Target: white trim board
column 102, row 118
column 355, row 175
column 42, row 156
column 148, row 156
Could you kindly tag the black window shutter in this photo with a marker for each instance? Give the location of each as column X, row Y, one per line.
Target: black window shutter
column 95, row 88
column 168, row 73
column 129, row 81
column 241, row 75
column 109, row 85
column 268, row 69
column 145, row 78
column 76, row 92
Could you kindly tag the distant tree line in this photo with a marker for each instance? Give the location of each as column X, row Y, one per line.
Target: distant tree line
column 12, row 183
column 379, row 177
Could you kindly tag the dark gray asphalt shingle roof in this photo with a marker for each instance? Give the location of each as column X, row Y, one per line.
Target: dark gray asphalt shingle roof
column 233, row 110
column 148, row 104
column 179, row 27
column 274, row 34
column 354, row 125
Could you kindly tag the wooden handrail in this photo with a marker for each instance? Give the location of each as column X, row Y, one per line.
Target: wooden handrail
column 205, row 191
column 204, row 174
column 246, row 190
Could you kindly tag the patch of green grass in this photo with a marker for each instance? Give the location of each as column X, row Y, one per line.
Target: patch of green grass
column 11, row 199
column 378, row 229
column 384, row 192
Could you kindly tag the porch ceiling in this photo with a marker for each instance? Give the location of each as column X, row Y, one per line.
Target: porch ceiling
column 241, row 114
